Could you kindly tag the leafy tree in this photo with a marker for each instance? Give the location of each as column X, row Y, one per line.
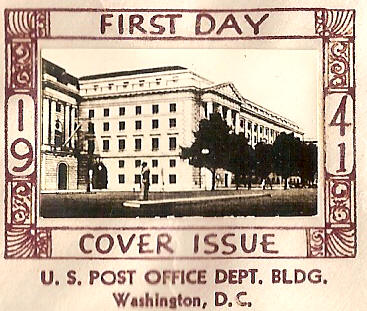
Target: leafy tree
column 264, row 160
column 213, row 137
column 240, row 158
column 307, row 162
column 286, row 156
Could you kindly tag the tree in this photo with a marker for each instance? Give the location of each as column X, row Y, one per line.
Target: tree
column 213, row 137
column 307, row 162
column 286, row 156
column 239, row 160
column 264, row 160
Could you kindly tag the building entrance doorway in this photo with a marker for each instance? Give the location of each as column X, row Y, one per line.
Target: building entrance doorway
column 62, row 182
column 100, row 178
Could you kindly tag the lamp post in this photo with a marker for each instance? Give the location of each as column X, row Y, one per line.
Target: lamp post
column 203, row 152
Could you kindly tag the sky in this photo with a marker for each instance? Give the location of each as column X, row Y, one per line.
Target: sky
column 283, row 81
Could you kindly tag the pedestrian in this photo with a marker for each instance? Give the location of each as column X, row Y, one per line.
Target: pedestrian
column 269, row 182
column 145, row 172
column 263, row 184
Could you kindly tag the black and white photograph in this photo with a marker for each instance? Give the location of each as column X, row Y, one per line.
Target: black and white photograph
column 179, row 132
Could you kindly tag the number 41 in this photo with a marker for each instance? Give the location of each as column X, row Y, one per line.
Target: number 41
column 340, row 114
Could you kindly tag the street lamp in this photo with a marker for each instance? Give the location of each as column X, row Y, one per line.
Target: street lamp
column 203, row 152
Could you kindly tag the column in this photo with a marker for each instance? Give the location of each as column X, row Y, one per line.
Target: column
column 45, row 120
column 237, row 126
column 209, row 108
column 52, row 114
column 66, row 122
column 72, row 121
column 229, row 117
column 220, row 110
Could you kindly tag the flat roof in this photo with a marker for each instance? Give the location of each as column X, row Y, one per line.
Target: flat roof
column 132, row 72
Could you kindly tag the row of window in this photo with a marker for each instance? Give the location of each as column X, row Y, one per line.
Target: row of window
column 155, row 178
column 138, row 125
column 125, row 84
column 172, row 163
column 138, row 144
column 138, row 110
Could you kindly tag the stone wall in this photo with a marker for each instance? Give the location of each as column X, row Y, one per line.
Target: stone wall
column 49, row 171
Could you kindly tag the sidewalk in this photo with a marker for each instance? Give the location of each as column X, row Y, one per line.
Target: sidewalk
column 152, row 203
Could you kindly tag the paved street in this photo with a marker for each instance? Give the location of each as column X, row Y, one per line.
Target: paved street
column 292, row 202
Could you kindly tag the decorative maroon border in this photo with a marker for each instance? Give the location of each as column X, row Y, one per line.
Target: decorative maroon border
column 23, row 27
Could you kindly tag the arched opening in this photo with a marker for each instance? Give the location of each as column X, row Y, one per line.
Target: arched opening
column 100, row 177
column 62, row 182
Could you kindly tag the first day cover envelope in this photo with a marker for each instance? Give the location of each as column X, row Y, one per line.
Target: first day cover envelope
column 183, row 155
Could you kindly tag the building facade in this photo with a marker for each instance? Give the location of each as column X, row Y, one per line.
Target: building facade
column 59, row 112
column 129, row 117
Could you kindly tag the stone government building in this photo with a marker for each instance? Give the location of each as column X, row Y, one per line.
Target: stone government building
column 119, row 120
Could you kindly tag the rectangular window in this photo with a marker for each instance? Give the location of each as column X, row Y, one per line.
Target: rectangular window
column 266, row 131
column 138, row 110
column 241, row 123
column 106, row 112
column 255, row 140
column 106, row 145
column 172, row 163
column 172, row 107
column 261, row 129
column 249, row 126
column 172, row 179
column 121, row 125
column 137, row 144
column 137, row 163
column 255, row 127
column 172, row 123
column 121, row 144
column 172, row 143
column 121, row 163
column 106, row 126
column 138, row 125
column 121, row 179
column 154, row 163
column 58, row 107
column 154, row 179
column 155, row 124
column 90, row 128
column 91, row 113
column 155, row 109
column 122, row 111
column 137, row 178
column 155, row 143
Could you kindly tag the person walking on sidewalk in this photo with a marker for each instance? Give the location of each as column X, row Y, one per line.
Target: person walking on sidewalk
column 145, row 172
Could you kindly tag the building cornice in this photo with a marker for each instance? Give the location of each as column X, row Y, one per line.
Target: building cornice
column 61, row 89
column 140, row 93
